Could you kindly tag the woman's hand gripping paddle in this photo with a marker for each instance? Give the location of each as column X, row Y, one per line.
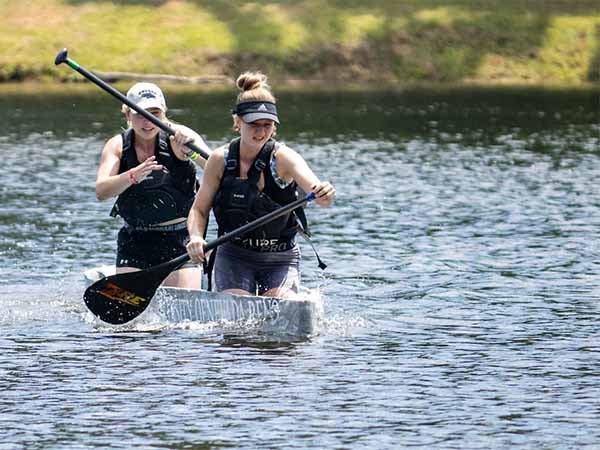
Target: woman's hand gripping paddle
column 119, row 298
column 62, row 57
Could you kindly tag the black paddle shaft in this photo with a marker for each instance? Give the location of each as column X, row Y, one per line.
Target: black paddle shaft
column 119, row 298
column 62, row 57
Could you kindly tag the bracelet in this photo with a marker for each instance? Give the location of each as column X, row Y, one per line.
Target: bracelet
column 132, row 177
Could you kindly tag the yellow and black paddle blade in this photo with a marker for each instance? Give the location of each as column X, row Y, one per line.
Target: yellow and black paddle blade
column 119, row 298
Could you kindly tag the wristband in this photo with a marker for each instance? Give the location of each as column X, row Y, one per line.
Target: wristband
column 132, row 177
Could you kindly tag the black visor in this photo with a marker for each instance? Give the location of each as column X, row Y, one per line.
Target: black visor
column 253, row 111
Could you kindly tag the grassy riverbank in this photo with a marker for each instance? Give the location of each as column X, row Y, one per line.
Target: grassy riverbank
column 334, row 41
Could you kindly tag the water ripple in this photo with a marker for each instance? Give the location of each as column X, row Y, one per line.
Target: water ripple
column 461, row 296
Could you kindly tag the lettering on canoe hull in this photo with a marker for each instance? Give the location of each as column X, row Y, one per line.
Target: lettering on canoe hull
column 114, row 292
column 216, row 309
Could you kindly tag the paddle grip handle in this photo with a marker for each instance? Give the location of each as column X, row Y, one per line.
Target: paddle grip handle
column 62, row 57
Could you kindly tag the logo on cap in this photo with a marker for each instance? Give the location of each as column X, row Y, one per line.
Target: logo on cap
column 262, row 107
column 147, row 94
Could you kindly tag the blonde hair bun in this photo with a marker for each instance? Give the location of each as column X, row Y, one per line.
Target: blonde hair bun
column 249, row 81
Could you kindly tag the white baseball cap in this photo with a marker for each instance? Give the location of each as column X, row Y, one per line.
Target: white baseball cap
column 146, row 96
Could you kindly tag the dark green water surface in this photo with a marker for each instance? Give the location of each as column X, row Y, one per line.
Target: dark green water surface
column 461, row 298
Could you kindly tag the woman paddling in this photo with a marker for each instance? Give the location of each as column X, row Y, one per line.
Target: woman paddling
column 246, row 179
column 155, row 183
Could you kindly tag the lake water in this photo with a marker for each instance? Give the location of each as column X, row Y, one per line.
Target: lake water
column 461, row 297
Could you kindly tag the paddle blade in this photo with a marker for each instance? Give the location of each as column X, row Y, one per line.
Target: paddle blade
column 117, row 299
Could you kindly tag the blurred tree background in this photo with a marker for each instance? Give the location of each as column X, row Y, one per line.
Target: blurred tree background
column 366, row 42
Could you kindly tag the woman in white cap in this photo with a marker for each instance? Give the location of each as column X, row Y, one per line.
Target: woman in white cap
column 154, row 181
column 249, row 177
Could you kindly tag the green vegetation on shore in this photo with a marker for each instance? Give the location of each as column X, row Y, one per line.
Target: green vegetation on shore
column 329, row 41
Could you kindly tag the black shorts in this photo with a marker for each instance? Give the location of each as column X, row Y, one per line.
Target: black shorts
column 256, row 272
column 144, row 249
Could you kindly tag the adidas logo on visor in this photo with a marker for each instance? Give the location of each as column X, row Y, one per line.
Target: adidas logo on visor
column 262, row 107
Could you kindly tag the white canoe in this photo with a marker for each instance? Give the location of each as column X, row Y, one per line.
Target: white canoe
column 297, row 317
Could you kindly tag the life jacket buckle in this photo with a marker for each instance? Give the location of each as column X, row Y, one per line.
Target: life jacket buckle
column 231, row 164
column 162, row 142
column 260, row 165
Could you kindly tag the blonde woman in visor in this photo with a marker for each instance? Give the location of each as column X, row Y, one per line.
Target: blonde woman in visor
column 251, row 176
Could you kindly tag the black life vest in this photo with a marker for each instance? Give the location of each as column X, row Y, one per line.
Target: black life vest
column 162, row 195
column 239, row 201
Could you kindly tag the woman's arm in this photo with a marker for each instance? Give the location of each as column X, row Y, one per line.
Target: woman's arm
column 199, row 214
column 109, row 182
column 184, row 135
column 291, row 166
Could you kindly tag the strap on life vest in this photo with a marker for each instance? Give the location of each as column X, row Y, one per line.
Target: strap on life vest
column 260, row 164
column 302, row 227
column 301, row 222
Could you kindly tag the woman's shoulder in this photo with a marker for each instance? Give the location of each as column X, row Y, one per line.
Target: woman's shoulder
column 283, row 152
column 282, row 147
column 219, row 152
column 218, row 155
column 215, row 166
column 115, row 143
